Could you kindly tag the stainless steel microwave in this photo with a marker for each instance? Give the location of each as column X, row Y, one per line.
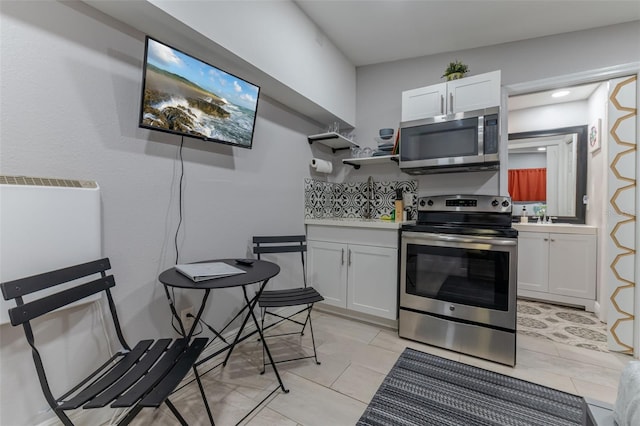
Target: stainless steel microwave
column 465, row 141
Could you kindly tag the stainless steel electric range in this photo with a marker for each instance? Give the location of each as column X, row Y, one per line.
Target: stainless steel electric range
column 458, row 276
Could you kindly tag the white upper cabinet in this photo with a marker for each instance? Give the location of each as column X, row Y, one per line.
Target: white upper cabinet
column 475, row 92
column 466, row 94
column 424, row 102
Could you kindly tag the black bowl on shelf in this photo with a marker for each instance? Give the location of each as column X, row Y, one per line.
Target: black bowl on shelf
column 386, row 133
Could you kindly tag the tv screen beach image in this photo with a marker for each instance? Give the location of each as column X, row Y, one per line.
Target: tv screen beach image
column 184, row 95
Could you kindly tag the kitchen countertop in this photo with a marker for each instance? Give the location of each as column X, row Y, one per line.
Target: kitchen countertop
column 564, row 228
column 356, row 223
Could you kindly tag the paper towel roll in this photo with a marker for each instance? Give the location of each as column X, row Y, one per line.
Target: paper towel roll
column 321, row 166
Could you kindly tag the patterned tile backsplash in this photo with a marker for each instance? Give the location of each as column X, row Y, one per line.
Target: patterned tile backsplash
column 349, row 200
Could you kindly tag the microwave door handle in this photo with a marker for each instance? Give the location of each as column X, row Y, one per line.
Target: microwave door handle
column 481, row 135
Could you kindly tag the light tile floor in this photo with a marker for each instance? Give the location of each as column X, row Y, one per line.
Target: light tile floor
column 355, row 358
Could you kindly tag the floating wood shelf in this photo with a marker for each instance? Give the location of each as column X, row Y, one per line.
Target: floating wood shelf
column 358, row 162
column 332, row 139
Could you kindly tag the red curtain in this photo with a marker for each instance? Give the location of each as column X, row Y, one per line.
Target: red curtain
column 528, row 184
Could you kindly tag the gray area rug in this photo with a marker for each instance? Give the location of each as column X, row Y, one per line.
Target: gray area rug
column 563, row 324
column 424, row 389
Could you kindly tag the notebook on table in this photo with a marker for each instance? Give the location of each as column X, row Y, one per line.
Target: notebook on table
column 207, row 271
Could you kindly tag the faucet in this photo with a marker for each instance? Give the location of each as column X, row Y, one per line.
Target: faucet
column 367, row 207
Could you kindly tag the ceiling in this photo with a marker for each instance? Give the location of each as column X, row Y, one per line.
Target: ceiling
column 374, row 31
column 576, row 93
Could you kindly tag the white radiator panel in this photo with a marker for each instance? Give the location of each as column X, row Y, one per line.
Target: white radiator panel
column 46, row 224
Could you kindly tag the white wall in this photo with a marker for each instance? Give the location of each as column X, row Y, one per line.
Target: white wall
column 70, row 93
column 597, row 190
column 549, row 117
column 272, row 44
column 379, row 87
column 278, row 38
column 529, row 160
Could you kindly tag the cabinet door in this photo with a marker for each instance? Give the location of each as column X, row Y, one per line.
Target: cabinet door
column 327, row 271
column 533, row 261
column 475, row 92
column 372, row 280
column 423, row 102
column 572, row 265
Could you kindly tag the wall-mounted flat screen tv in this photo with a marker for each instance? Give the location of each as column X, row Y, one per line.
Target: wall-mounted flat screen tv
column 188, row 97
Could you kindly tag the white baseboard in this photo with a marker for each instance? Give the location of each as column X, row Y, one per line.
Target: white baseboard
column 597, row 310
column 358, row 316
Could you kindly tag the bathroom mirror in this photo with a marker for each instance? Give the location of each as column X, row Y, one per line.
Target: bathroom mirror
column 561, row 155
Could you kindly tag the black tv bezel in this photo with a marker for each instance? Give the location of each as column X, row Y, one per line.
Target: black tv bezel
column 190, row 135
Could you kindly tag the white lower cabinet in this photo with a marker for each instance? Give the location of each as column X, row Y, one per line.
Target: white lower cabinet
column 557, row 267
column 371, row 280
column 327, row 271
column 357, row 277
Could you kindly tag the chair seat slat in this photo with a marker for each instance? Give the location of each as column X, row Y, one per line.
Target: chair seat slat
column 108, row 379
column 132, row 376
column 280, row 298
column 180, row 369
column 153, row 377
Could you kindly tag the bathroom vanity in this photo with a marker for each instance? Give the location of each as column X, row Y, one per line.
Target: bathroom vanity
column 557, row 263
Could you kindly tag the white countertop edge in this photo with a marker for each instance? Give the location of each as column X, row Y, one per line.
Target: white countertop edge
column 356, row 223
column 563, row 228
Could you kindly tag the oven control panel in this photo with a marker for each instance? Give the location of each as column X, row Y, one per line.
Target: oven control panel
column 470, row 203
column 461, row 202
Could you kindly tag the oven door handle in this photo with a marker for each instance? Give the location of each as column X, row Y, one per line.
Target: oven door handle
column 461, row 238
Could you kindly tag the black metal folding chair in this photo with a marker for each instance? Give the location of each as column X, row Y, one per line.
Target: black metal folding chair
column 135, row 378
column 303, row 297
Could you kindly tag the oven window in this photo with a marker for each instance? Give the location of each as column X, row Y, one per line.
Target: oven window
column 470, row 277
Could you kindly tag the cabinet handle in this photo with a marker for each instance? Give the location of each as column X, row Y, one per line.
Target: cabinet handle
column 349, row 257
column 342, row 257
column 546, row 239
column 442, row 104
column 451, row 102
column 552, row 240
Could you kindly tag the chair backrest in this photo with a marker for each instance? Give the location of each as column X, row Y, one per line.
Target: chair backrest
column 282, row 244
column 71, row 284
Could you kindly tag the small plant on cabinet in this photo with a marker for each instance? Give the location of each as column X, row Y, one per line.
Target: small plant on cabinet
column 455, row 70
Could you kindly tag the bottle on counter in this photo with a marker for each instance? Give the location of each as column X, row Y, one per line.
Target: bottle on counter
column 524, row 218
column 399, row 205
